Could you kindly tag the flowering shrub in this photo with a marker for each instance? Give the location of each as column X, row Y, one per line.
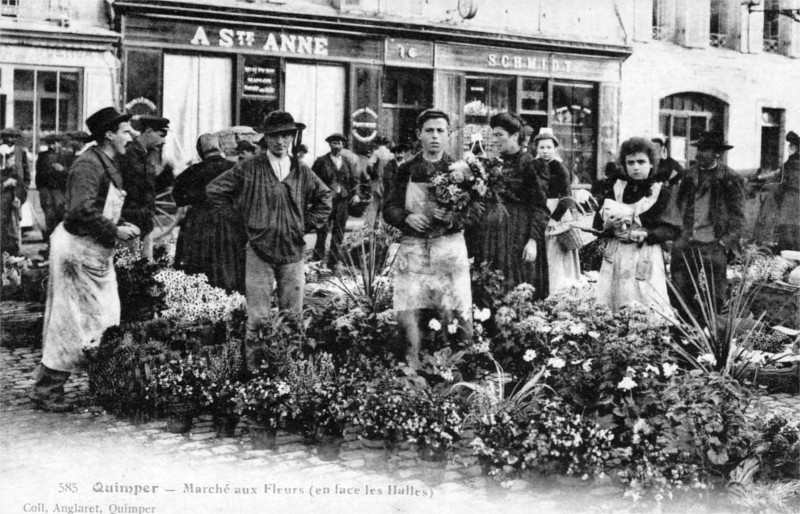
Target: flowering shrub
column 191, row 298
column 433, row 421
column 141, row 294
column 181, row 381
column 779, row 449
column 267, row 401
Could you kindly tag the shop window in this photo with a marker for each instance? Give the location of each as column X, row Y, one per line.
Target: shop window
column 9, row 8
column 771, row 140
column 315, row 95
column 405, row 94
column 259, row 88
column 46, row 101
column 143, row 81
column 574, row 120
column 684, row 116
column 720, row 24
column 772, row 25
column 533, row 102
column 487, row 96
column 197, row 100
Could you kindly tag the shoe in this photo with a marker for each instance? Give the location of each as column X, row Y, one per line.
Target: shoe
column 51, row 406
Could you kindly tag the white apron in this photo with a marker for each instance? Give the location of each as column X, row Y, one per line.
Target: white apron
column 563, row 266
column 431, row 273
column 82, row 297
column 632, row 272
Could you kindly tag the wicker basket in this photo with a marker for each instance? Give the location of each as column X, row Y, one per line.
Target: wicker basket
column 784, row 379
column 21, row 323
column 780, row 303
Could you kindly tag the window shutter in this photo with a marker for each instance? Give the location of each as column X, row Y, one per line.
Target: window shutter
column 788, row 32
column 692, row 27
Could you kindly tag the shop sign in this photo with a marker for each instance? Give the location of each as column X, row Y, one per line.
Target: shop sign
column 259, row 81
column 365, row 124
column 409, row 52
column 503, row 60
column 281, row 42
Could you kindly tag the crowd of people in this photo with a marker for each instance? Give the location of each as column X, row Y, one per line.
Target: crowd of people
column 243, row 222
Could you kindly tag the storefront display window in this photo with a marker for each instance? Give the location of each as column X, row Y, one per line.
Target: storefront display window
column 574, row 121
column 405, row 94
column 533, row 102
column 486, row 96
column 46, row 101
column 259, row 88
column 143, row 81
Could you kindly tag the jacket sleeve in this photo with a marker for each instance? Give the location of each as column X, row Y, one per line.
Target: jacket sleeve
column 394, row 207
column 82, row 210
column 542, row 172
column 319, row 202
column 733, row 196
column 664, row 224
column 222, row 192
column 538, row 214
column 321, row 170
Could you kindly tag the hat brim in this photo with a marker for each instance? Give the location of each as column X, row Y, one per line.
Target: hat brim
column 337, row 138
column 706, row 146
column 286, row 127
column 554, row 139
column 110, row 123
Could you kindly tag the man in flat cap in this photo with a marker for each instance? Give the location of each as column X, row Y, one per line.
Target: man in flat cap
column 710, row 199
column 15, row 175
column 279, row 199
column 344, row 180
column 139, row 170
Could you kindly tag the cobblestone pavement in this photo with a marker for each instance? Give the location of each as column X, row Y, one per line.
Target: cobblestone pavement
column 89, row 461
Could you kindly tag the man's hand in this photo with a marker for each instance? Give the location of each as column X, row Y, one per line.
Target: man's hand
column 58, row 167
column 355, row 200
column 418, row 222
column 126, row 232
column 443, row 215
column 529, row 252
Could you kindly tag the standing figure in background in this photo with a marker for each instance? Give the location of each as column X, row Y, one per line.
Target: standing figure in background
column 563, row 266
column 15, row 175
column 432, row 279
column 511, row 231
column 380, row 159
column 636, row 217
column 711, row 202
column 244, row 149
column 51, row 181
column 342, row 178
column 82, row 295
column 789, row 198
column 300, row 152
column 669, row 171
column 279, row 200
column 138, row 169
column 210, row 241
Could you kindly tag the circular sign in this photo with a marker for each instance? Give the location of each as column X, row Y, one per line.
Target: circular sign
column 141, row 105
column 467, row 8
column 365, row 124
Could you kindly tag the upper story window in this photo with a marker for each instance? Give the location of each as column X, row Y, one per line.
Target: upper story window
column 771, row 25
column 9, row 8
column 658, row 20
column 720, row 24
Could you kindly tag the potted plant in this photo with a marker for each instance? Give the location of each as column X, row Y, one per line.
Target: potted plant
column 267, row 403
column 181, row 386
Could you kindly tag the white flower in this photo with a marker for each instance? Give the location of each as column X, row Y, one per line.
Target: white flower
column 447, row 375
column 594, row 335
column 669, row 369
column 459, row 167
column 626, row 384
column 707, row 358
column 481, row 314
column 587, row 365
column 556, row 362
column 641, row 426
column 457, row 176
column 758, row 358
column 577, row 329
column 452, row 328
column 652, row 369
column 529, row 355
column 435, row 325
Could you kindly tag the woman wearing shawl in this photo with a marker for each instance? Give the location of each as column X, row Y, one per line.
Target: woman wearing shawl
column 637, row 217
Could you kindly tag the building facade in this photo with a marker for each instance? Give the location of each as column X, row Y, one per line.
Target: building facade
column 57, row 65
column 368, row 67
column 725, row 65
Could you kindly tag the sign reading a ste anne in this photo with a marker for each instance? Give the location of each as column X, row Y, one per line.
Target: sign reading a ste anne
column 280, row 43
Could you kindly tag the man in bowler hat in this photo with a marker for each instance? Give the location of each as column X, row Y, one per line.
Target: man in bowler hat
column 280, row 199
column 138, row 167
column 344, row 181
column 710, row 199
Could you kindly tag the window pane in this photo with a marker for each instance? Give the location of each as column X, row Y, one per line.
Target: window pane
column 46, row 81
column 68, row 83
column 534, row 95
column 143, row 81
column 679, row 126
column 573, row 119
column 697, row 128
column 23, row 115
column 47, row 114
column 23, row 80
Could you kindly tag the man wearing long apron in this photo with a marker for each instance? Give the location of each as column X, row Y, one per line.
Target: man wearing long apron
column 82, row 296
column 432, row 268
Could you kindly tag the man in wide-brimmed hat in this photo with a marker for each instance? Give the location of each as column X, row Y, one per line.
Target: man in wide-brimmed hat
column 82, row 296
column 140, row 166
column 15, row 175
column 710, row 199
column 279, row 200
column 342, row 177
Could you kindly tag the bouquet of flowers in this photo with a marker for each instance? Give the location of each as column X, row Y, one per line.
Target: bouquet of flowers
column 466, row 183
